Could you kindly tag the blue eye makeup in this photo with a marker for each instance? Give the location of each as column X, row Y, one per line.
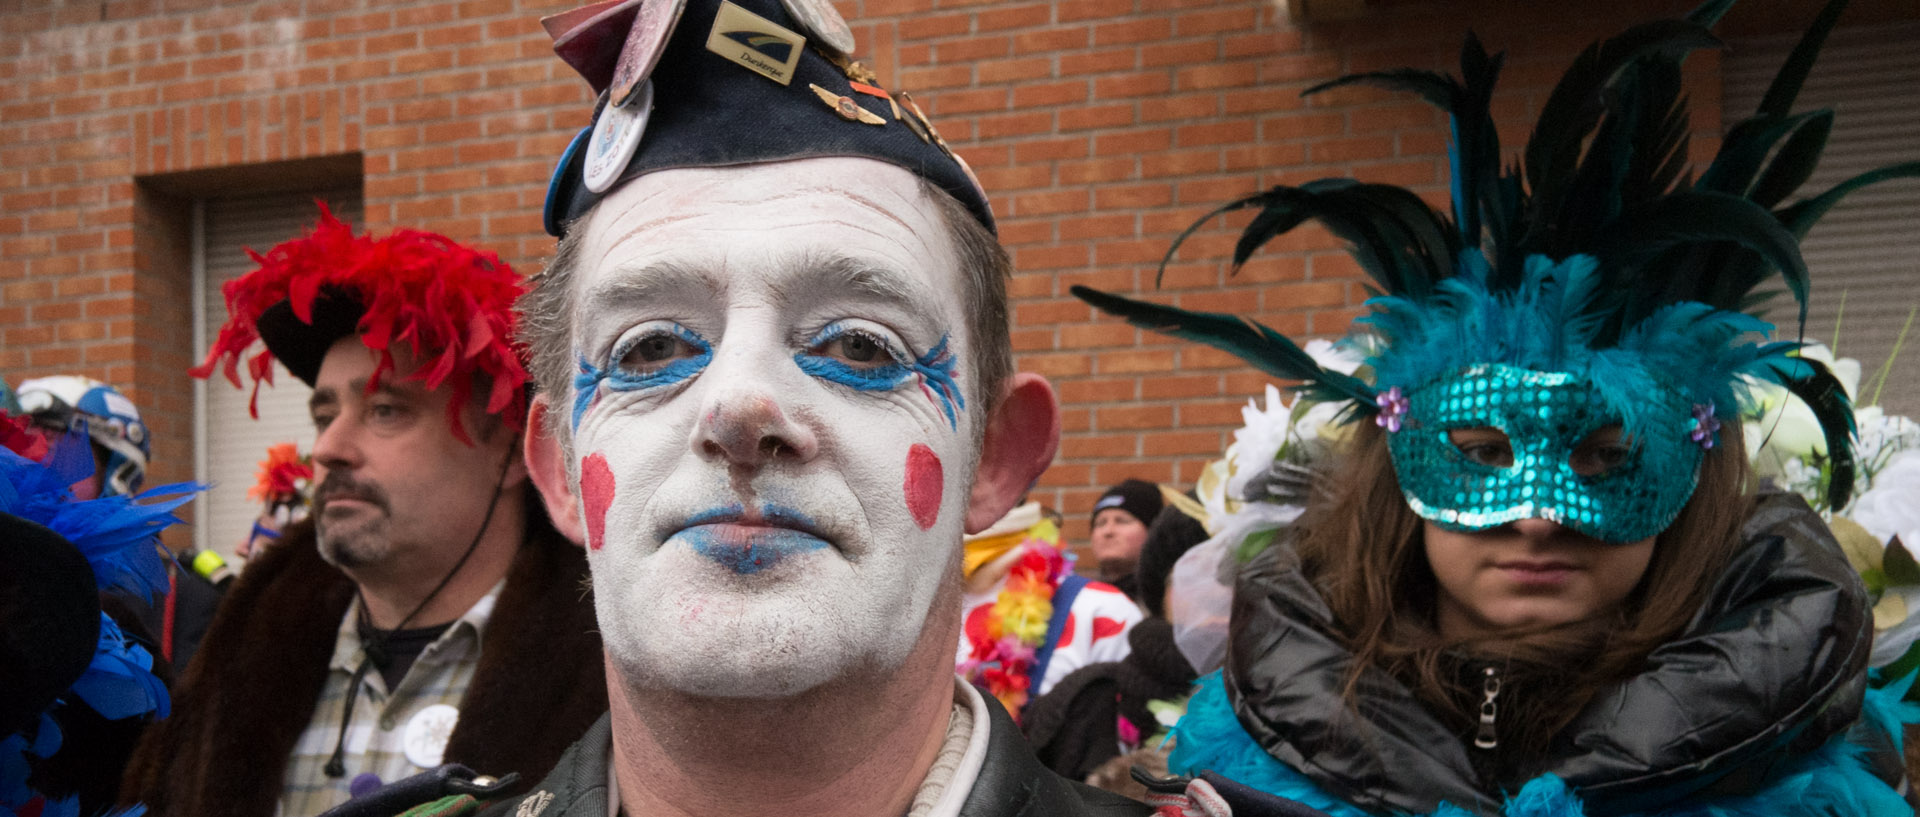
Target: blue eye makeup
column 659, row 353
column 866, row 359
column 869, row 360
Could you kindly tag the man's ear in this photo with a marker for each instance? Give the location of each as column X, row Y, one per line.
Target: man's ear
column 547, row 465
column 1023, row 431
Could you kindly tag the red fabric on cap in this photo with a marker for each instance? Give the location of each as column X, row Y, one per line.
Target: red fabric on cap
column 451, row 305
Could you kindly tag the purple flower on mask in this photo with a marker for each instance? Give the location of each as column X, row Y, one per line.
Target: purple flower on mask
column 1393, row 406
column 1704, row 425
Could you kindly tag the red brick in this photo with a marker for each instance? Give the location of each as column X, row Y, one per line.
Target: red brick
column 1050, row 41
column 932, row 26
column 1132, row 196
column 972, row 48
column 1349, row 150
column 1214, row 134
column 1232, row 20
column 1094, row 446
column 1059, row 364
column 1097, row 117
column 1132, row 142
column 1063, row 201
column 1096, row 335
column 1133, row 417
column 1139, row 84
column 1150, row 29
column 961, row 102
column 1099, row 62
column 998, row 72
column 1224, row 75
column 1205, row 443
column 1016, row 17
column 1031, row 340
column 1054, row 257
column 1097, row 390
column 1049, row 95
column 1136, row 361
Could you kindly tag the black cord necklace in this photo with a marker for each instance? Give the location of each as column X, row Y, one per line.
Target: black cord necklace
column 374, row 650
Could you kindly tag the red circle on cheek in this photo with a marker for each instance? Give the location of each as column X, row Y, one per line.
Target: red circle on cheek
column 596, row 490
column 925, row 482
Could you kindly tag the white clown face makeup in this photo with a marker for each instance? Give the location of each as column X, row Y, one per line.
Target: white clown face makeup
column 771, row 427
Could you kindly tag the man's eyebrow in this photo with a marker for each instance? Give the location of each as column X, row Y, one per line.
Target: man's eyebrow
column 650, row 282
column 835, row 273
column 322, row 397
column 325, row 396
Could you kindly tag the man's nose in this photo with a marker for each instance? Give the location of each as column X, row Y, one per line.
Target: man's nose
column 335, row 447
column 745, row 426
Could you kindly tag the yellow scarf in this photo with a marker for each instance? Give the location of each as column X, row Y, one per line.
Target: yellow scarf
column 982, row 551
column 1019, row 525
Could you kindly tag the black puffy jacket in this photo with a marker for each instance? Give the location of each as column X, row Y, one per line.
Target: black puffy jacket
column 1773, row 665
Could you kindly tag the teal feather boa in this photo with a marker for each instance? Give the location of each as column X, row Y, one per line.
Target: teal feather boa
column 1832, row 780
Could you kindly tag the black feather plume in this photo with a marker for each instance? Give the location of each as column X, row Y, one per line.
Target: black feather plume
column 1267, row 350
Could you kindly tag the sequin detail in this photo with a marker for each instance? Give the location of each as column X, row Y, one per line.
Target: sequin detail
column 1545, row 415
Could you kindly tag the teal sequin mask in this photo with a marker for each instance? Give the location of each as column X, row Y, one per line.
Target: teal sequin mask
column 1546, row 418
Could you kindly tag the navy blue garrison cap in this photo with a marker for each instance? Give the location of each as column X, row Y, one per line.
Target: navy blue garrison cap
column 713, row 83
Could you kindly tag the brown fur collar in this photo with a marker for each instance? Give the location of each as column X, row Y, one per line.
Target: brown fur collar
column 250, row 692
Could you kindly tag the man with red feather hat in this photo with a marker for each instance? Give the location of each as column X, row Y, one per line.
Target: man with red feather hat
column 427, row 612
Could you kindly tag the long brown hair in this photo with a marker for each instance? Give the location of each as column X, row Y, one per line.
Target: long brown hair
column 1363, row 548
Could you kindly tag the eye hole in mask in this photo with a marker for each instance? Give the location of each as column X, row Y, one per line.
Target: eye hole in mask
column 1601, row 452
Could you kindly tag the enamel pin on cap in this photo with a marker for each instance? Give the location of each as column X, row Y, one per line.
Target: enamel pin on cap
column 824, row 22
column 616, row 135
column 652, row 26
column 846, row 107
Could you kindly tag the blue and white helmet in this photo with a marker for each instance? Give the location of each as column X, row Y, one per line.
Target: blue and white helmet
column 110, row 420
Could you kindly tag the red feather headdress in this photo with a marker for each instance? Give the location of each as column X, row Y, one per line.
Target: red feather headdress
column 451, row 305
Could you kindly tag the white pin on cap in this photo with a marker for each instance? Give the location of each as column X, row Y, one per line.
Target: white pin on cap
column 615, row 138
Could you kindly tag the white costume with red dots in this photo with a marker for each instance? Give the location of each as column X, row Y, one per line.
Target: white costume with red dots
column 1095, row 629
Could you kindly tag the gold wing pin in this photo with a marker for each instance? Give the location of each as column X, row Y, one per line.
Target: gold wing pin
column 846, row 107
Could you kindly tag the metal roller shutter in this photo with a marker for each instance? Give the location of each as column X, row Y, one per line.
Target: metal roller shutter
column 1867, row 250
column 231, row 443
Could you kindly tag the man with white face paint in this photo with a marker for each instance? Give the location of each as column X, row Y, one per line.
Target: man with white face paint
column 775, row 392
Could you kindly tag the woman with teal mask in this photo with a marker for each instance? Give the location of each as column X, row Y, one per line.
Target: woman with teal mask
column 1540, row 579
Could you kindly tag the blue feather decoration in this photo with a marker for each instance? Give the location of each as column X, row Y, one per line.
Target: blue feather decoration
column 120, row 683
column 119, row 537
column 117, row 534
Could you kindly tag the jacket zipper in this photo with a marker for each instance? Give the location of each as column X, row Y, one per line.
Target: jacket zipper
column 1487, row 737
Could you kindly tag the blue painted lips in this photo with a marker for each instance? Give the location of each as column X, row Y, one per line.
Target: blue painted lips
column 747, row 545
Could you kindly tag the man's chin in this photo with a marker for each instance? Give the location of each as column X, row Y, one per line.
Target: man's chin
column 708, row 665
column 348, row 548
column 750, row 645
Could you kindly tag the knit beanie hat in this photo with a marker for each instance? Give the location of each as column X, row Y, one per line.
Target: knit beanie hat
column 1135, row 496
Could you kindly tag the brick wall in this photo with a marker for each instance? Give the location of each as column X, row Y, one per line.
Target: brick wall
column 1100, row 127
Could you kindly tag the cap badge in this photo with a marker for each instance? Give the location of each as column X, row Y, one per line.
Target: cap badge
column 821, row 19
column 653, row 25
column 616, row 135
column 846, row 107
column 755, row 43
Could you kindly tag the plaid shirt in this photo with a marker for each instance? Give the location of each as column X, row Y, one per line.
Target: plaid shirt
column 376, row 738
